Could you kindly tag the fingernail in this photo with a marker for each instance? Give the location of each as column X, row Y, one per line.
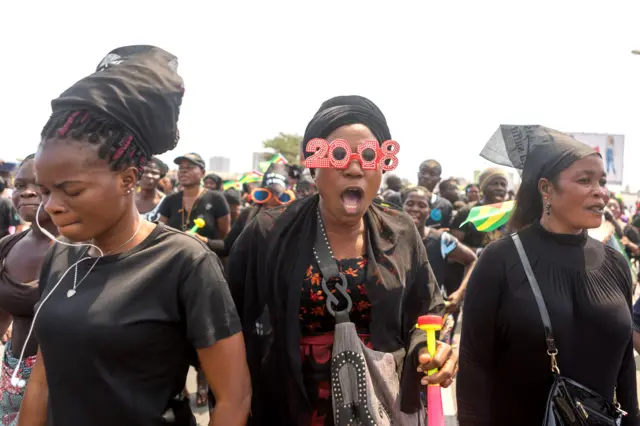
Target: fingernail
column 424, row 382
column 419, row 369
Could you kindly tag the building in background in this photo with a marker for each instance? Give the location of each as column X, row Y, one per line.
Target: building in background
column 259, row 157
column 220, row 164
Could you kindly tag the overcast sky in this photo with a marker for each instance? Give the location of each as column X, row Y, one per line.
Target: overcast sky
column 445, row 74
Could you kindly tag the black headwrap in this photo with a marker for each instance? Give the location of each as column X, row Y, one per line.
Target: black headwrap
column 536, row 151
column 344, row 110
column 138, row 87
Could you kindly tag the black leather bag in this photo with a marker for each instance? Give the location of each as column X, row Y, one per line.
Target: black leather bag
column 569, row 403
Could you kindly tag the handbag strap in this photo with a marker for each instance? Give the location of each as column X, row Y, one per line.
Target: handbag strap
column 552, row 350
column 329, row 269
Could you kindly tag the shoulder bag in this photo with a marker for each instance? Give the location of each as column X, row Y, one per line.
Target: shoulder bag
column 569, row 403
column 365, row 387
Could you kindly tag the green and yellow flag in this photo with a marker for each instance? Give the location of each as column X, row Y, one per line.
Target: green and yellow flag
column 278, row 158
column 490, row 217
column 251, row 177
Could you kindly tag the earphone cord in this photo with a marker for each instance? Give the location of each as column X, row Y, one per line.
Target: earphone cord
column 20, row 383
column 75, row 276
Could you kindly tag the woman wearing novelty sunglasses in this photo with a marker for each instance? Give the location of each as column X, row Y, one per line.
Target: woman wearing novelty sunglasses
column 274, row 267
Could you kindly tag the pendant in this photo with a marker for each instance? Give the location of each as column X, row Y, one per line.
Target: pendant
column 71, row 293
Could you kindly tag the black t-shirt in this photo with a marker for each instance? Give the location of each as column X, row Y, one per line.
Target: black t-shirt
column 210, row 206
column 8, row 216
column 441, row 211
column 119, row 350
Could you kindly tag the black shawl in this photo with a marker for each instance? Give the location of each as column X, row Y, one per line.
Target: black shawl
column 266, row 269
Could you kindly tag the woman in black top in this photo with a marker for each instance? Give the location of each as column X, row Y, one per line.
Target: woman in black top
column 505, row 372
column 180, row 209
column 378, row 250
column 442, row 247
column 122, row 318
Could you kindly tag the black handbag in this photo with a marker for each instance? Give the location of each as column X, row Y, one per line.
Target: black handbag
column 569, row 403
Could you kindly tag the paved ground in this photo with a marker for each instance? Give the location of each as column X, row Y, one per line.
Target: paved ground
column 202, row 414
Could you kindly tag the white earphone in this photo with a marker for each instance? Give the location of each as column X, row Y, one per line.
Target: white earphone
column 18, row 381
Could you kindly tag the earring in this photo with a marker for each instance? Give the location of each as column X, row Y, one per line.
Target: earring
column 547, row 209
column 128, row 191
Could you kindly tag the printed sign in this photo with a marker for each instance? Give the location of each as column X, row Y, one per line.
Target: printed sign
column 611, row 147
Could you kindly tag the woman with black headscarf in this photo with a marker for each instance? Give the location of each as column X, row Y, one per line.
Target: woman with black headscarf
column 274, row 267
column 505, row 361
column 126, row 305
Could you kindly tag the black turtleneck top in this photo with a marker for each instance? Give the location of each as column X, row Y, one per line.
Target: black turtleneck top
column 505, row 373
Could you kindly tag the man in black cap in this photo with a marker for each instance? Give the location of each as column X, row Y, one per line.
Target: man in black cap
column 179, row 210
column 191, row 158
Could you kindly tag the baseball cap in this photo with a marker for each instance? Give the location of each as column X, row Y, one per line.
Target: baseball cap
column 193, row 158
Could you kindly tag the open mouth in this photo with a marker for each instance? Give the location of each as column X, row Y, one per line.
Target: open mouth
column 599, row 209
column 352, row 199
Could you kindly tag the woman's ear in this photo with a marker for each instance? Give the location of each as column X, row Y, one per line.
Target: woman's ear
column 129, row 180
column 545, row 187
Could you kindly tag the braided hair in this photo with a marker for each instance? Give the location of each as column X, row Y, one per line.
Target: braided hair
column 116, row 144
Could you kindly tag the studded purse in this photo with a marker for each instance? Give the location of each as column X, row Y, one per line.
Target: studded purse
column 365, row 386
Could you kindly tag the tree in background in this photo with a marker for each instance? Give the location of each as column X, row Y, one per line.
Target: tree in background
column 287, row 144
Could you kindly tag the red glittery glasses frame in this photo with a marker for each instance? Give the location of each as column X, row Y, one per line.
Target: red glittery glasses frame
column 320, row 160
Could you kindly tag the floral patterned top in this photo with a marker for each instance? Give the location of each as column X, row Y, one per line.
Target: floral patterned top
column 314, row 317
column 317, row 326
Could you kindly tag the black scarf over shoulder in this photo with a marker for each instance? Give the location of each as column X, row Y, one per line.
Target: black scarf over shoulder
column 266, row 269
